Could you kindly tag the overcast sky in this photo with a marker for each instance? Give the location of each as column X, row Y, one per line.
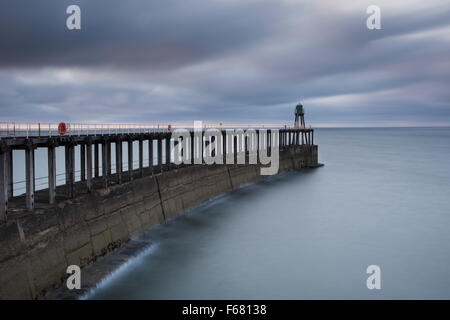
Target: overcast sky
column 226, row 60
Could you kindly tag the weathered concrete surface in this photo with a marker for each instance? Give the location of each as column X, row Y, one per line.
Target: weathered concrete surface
column 36, row 249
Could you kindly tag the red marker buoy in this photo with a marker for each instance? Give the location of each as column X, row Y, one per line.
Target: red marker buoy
column 169, row 127
column 62, row 128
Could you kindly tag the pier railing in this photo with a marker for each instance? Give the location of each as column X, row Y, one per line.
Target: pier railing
column 26, row 130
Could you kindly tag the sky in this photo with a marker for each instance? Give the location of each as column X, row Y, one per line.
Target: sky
column 235, row 61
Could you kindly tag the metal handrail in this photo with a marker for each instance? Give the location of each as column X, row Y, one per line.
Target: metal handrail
column 37, row 129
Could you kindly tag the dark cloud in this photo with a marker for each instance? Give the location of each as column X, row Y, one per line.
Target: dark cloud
column 180, row 60
column 137, row 33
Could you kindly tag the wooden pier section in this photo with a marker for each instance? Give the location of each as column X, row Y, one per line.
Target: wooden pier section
column 95, row 142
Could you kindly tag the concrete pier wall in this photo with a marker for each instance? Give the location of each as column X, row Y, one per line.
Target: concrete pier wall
column 36, row 249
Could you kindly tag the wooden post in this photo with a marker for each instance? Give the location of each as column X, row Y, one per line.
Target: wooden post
column 150, row 155
column 130, row 159
column 235, row 150
column 119, row 161
column 224, row 146
column 105, row 164
column 182, row 151
column 108, row 157
column 29, row 177
column 257, row 147
column 168, row 153
column 89, row 166
column 246, row 150
column 213, row 146
column 70, row 170
column 190, row 145
column 3, row 185
column 141, row 157
column 82, row 162
column 208, row 146
column 312, row 137
column 34, row 171
column 51, row 174
column 160, row 154
column 280, row 142
column 9, row 172
column 96, row 161
column 175, row 146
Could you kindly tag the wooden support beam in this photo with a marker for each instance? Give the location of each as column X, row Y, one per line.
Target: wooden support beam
column 257, row 146
column 51, row 152
column 246, row 160
column 3, row 185
column 105, row 164
column 70, row 169
column 141, row 157
column 89, row 166
column 213, row 146
column 29, row 177
column 82, row 162
column 193, row 152
column 34, row 170
column 168, row 153
column 224, row 146
column 235, row 150
column 160, row 154
column 130, row 159
column 280, row 138
column 108, row 157
column 182, row 150
column 9, row 172
column 119, row 161
column 96, row 161
column 176, row 145
column 150, row 155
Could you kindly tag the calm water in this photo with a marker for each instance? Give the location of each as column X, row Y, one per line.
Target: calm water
column 382, row 198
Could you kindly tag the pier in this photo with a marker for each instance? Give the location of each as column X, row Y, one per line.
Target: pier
column 108, row 183
column 97, row 145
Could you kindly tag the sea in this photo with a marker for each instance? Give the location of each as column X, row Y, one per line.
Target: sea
column 381, row 199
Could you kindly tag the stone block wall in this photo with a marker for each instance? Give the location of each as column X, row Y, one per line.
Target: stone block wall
column 36, row 249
